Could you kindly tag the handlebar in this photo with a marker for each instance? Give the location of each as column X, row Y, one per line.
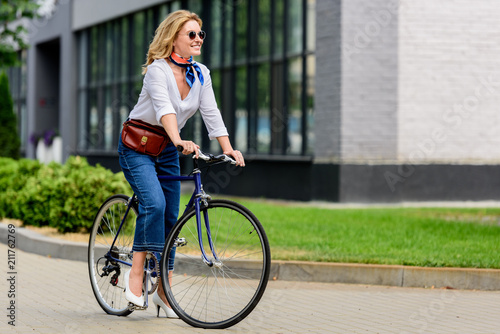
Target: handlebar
column 210, row 158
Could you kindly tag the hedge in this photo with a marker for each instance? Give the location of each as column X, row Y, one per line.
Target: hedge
column 66, row 197
column 9, row 140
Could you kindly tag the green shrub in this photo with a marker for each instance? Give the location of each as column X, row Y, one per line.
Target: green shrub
column 9, row 140
column 13, row 178
column 66, row 197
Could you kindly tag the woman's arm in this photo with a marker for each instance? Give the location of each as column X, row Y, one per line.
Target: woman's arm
column 225, row 144
column 169, row 122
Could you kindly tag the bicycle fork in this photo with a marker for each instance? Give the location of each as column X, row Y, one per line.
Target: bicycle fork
column 202, row 197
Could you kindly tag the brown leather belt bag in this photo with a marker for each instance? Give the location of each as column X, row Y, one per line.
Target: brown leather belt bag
column 144, row 138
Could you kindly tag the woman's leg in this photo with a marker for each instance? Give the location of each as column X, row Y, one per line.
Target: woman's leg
column 137, row 273
column 169, row 165
column 161, row 293
column 140, row 172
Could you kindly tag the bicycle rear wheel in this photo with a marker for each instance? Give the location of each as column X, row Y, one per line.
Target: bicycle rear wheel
column 106, row 275
column 218, row 296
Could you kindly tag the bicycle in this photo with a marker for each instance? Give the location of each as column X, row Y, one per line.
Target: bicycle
column 222, row 256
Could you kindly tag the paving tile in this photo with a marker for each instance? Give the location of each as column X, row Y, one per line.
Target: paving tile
column 54, row 296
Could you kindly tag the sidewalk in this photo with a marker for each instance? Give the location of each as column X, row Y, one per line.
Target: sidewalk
column 388, row 275
column 54, row 296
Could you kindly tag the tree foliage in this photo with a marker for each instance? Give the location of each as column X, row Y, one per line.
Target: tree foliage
column 13, row 34
column 12, row 30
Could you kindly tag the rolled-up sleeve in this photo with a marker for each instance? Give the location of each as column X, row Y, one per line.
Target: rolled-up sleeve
column 156, row 83
column 208, row 108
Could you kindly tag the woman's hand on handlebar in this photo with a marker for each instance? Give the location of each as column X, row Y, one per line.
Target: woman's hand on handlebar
column 240, row 161
column 188, row 147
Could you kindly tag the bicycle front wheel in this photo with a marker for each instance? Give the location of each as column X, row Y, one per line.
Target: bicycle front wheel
column 222, row 294
column 107, row 274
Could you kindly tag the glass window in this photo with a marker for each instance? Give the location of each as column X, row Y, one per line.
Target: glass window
column 241, row 30
column 294, row 29
column 83, row 39
column 101, row 54
column 93, row 121
column 278, row 121
column 108, row 54
column 94, row 51
column 311, row 70
column 108, row 121
column 216, row 76
column 124, row 49
column 263, row 105
column 241, row 127
column 115, row 62
column 126, row 104
column 278, row 29
column 82, row 59
column 294, row 139
column 197, row 129
column 175, row 5
column 228, row 31
column 216, row 34
column 138, row 46
column 196, row 6
column 82, row 106
column 311, row 25
column 162, row 13
column 264, row 28
column 149, row 30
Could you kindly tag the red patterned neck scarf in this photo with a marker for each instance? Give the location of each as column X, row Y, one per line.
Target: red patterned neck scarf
column 188, row 64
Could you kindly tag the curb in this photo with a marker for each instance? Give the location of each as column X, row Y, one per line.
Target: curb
column 390, row 275
column 348, row 273
column 33, row 242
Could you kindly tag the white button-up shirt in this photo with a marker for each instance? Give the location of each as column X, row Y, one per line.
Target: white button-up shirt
column 160, row 96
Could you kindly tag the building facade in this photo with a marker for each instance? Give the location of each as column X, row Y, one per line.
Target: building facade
column 349, row 101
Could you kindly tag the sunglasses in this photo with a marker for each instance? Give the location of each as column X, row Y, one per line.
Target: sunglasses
column 201, row 34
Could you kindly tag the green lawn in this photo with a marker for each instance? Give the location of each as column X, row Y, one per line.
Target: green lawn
column 433, row 237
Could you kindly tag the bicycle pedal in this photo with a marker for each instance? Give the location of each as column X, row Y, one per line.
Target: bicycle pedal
column 180, row 242
column 133, row 307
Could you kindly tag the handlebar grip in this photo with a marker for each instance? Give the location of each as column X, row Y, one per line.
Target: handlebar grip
column 180, row 148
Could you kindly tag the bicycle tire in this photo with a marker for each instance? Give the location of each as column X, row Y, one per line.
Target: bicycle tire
column 217, row 297
column 109, row 287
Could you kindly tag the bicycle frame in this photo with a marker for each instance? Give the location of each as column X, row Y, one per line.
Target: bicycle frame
column 197, row 198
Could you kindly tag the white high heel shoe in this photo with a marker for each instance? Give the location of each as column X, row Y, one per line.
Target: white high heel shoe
column 129, row 295
column 159, row 303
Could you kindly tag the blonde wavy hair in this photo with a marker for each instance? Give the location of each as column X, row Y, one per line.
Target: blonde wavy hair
column 165, row 35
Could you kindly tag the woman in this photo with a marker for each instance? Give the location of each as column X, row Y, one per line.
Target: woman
column 174, row 87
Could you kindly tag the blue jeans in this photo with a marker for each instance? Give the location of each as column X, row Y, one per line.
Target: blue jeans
column 158, row 201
